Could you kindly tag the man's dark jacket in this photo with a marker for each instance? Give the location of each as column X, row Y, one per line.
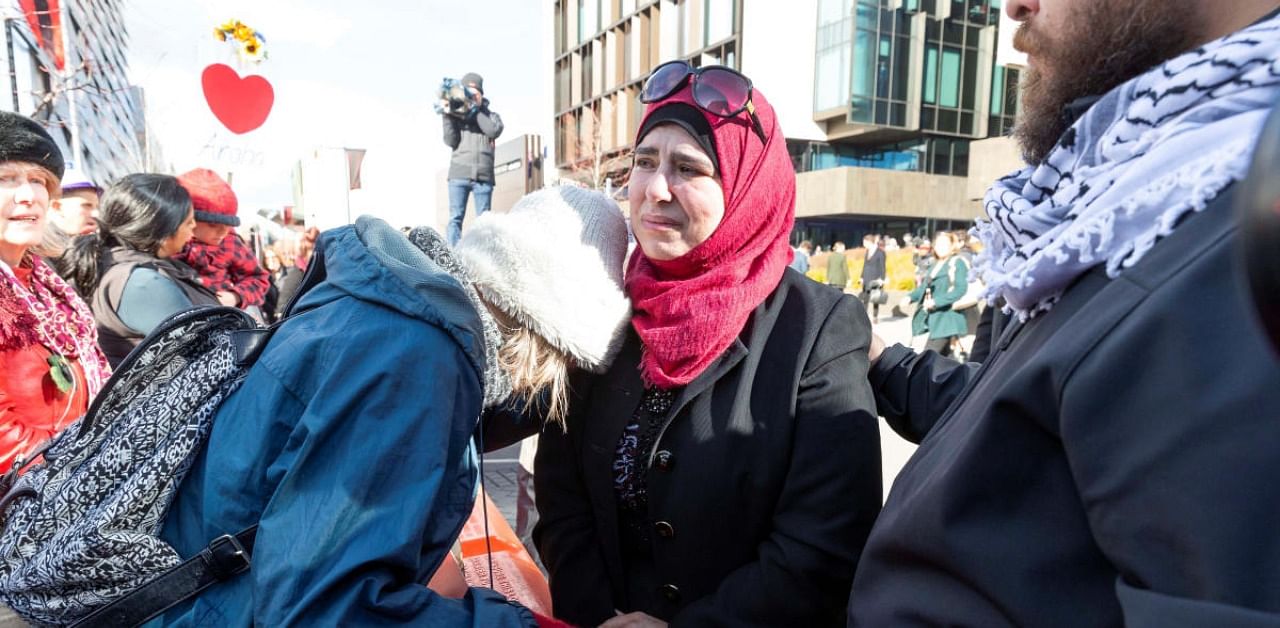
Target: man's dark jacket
column 1114, row 461
column 873, row 269
column 472, row 140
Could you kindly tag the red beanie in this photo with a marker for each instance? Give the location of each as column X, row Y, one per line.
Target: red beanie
column 212, row 198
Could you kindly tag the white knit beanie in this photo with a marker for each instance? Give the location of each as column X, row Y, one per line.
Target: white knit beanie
column 554, row 263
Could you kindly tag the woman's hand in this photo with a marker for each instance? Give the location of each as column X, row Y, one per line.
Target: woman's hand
column 876, row 348
column 634, row 620
column 229, row 299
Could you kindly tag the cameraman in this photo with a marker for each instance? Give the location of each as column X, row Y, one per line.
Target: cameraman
column 470, row 130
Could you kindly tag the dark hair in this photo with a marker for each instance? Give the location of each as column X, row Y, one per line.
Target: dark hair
column 140, row 211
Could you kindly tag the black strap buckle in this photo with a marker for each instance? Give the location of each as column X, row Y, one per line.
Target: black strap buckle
column 226, row 557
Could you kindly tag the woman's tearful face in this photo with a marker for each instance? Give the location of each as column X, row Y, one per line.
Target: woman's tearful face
column 676, row 198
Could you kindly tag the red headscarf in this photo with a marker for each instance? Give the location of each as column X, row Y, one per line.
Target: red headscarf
column 689, row 310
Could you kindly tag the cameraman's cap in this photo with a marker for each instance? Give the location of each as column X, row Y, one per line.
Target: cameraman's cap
column 471, row 78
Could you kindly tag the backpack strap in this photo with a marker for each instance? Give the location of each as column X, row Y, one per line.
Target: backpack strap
column 223, row 559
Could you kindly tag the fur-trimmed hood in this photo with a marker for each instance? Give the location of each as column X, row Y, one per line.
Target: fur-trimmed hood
column 554, row 263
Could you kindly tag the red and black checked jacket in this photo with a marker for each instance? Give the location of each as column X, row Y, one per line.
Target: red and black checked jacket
column 229, row 267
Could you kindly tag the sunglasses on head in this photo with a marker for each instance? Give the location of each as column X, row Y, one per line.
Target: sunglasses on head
column 718, row 90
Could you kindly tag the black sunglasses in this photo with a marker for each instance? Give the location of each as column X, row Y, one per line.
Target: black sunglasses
column 717, row 89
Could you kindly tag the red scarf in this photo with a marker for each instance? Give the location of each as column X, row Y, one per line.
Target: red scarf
column 690, row 309
column 48, row 312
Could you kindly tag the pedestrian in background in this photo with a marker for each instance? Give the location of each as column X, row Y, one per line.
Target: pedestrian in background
column 75, row 212
column 126, row 270
column 945, row 284
column 800, row 259
column 838, row 267
column 725, row 468
column 285, row 281
column 48, row 340
column 873, row 276
column 222, row 260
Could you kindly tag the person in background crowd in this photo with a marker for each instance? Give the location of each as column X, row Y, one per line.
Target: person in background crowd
column 838, row 267
column 471, row 138
column 1114, row 460
column 285, row 281
column 75, row 213
column 923, row 259
column 48, row 343
column 946, row 283
column 225, row 265
column 126, row 270
column 873, row 274
column 306, row 246
column 724, row 470
column 394, row 355
column 800, row 261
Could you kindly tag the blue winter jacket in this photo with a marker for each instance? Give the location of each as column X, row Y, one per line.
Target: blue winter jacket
column 350, row 444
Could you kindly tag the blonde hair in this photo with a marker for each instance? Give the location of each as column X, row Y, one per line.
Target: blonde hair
column 535, row 366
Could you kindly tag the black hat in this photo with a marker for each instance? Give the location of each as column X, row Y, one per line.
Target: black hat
column 23, row 139
column 471, row 78
column 690, row 119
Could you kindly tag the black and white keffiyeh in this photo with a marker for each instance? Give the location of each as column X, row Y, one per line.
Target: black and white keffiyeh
column 1148, row 152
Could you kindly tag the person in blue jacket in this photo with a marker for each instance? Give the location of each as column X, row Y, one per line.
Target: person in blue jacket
column 350, row 442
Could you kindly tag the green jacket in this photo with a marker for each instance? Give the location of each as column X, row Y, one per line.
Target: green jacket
column 947, row 282
column 837, row 270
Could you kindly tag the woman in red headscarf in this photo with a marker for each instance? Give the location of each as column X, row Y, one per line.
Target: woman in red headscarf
column 726, row 468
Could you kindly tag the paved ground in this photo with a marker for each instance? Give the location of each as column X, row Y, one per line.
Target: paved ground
column 500, row 480
column 500, row 466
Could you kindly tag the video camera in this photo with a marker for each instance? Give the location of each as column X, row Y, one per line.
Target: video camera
column 454, row 98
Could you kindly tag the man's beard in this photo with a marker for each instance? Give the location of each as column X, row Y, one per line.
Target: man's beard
column 1103, row 44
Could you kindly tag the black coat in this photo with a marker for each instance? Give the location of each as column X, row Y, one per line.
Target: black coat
column 768, row 477
column 873, row 269
column 1114, row 462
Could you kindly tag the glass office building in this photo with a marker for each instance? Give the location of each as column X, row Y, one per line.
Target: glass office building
column 908, row 84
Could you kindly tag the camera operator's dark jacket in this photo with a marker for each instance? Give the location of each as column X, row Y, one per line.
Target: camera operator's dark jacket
column 472, row 140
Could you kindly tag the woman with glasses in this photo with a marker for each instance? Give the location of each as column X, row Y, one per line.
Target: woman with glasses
column 726, row 468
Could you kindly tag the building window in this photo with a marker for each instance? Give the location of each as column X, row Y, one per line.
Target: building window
column 832, row 70
column 718, row 21
column 950, row 92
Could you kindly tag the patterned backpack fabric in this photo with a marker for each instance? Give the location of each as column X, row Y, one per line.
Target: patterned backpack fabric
column 80, row 528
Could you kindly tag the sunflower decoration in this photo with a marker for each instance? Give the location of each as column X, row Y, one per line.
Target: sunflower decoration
column 252, row 45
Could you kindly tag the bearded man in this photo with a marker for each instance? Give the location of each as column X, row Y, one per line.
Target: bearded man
column 1114, row 461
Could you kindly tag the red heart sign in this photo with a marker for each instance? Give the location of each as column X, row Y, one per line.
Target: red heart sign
column 240, row 104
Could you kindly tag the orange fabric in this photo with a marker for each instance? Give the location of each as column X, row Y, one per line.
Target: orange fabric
column 515, row 575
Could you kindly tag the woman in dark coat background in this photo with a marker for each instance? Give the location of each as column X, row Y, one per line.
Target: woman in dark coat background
column 726, row 468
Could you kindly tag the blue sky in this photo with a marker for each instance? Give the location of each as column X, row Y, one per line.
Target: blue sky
column 360, row 75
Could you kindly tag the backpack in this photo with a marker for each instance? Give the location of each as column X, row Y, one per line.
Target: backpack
column 80, row 541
